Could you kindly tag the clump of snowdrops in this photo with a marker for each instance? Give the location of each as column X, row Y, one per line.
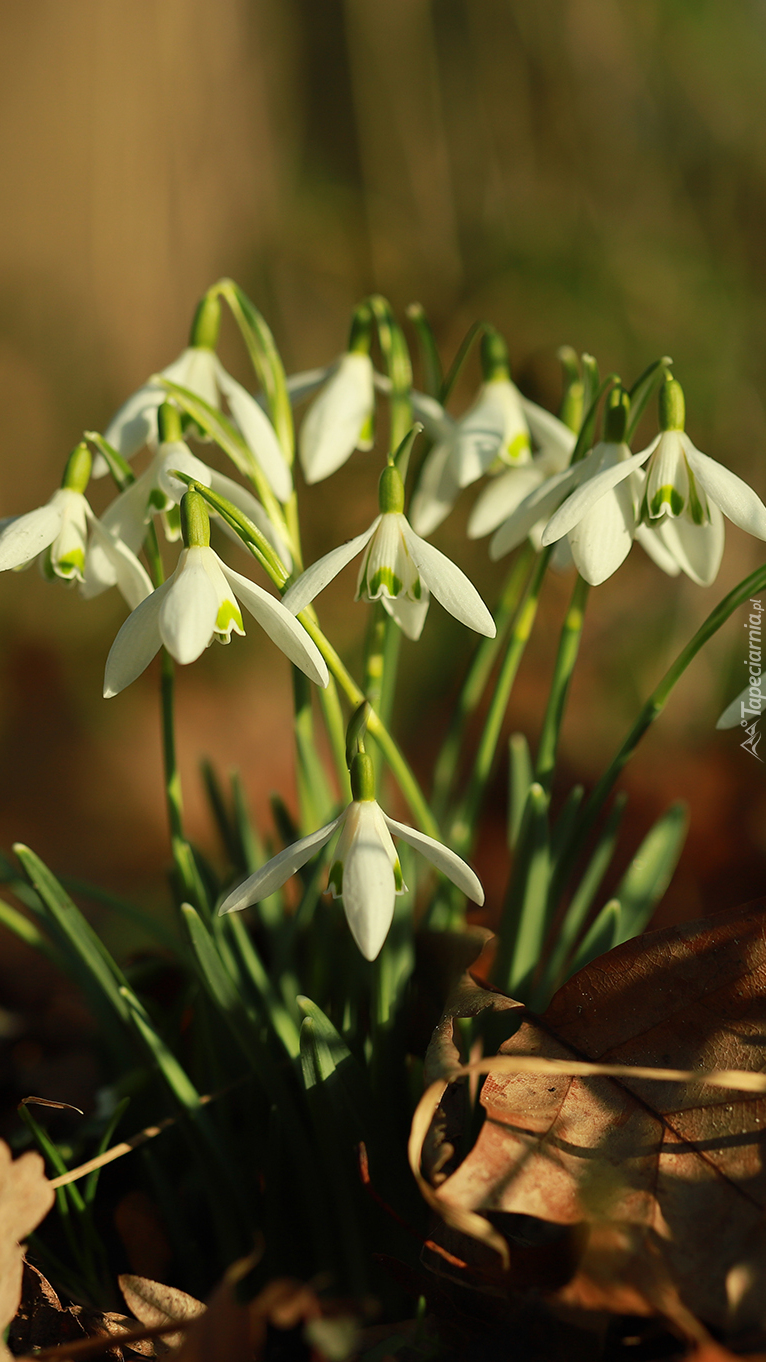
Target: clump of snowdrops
column 293, row 1034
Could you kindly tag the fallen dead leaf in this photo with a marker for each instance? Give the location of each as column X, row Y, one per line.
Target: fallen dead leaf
column 675, row 1168
column 26, row 1196
column 154, row 1303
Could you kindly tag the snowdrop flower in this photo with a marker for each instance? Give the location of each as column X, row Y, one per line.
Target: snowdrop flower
column 340, row 419
column 157, row 491
column 57, row 533
column 507, row 489
column 199, row 369
column 398, row 568
column 365, row 871
column 494, row 432
column 200, row 602
column 684, row 496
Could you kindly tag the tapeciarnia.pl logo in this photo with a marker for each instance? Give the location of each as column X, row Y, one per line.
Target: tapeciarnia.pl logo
column 753, row 701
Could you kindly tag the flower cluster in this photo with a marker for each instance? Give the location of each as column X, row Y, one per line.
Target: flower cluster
column 547, row 479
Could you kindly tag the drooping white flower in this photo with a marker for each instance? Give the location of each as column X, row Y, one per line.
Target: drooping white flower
column 156, row 490
column 200, row 602
column 506, row 490
column 685, row 494
column 398, row 568
column 365, row 871
column 340, row 419
column 199, row 369
column 57, row 534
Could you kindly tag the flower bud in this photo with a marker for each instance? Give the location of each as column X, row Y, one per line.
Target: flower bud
column 206, row 324
column 195, row 521
column 362, row 777
column 672, row 405
column 391, row 491
column 78, row 466
column 616, row 416
column 494, row 356
column 169, row 425
column 360, row 335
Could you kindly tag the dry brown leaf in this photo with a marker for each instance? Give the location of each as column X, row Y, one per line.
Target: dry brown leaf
column 677, row 1163
column 26, row 1196
column 155, row 1304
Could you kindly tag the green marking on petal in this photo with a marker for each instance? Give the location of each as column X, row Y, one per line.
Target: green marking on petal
column 158, row 501
column 335, row 879
column 698, row 507
column 518, row 447
column 384, row 579
column 367, row 433
column 667, row 496
column 229, row 616
column 72, row 564
column 398, row 877
column 416, row 590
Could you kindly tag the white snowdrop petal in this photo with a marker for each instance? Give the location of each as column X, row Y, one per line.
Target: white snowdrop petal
column 280, row 625
column 538, row 505
column 732, row 716
column 175, row 454
column 195, row 369
column 27, row 535
column 737, row 501
column 258, row 433
column 333, row 426
column 278, row 870
column 128, row 573
column 549, row 432
column 316, row 577
column 449, row 585
column 501, row 497
column 302, row 385
column 409, row 615
column 652, row 540
column 590, row 485
column 437, row 490
column 136, row 643
column 448, row 862
column 369, row 888
column 189, row 610
column 133, row 426
column 698, row 549
column 602, row 540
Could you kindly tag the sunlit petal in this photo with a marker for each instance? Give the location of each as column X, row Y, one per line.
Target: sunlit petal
column 698, row 549
column 188, row 612
column 369, row 886
column 501, row 497
column 258, row 433
column 132, row 426
column 590, row 486
column 437, row 490
column 27, row 535
column 245, row 501
column 279, row 869
column 339, row 420
column 449, row 585
column 409, row 615
column 737, row 501
column 130, row 576
column 280, row 625
column 136, row 643
column 448, row 862
column 316, row 577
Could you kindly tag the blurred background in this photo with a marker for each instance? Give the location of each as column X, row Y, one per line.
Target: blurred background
column 580, row 171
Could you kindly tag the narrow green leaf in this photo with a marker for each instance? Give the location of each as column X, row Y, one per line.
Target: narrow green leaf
column 266, row 361
column 520, row 777
column 650, row 872
column 429, row 351
column 599, row 938
column 472, row 335
column 576, row 914
column 91, row 1182
column 27, row 932
column 119, row 468
column 524, row 920
column 642, row 391
column 269, row 1003
column 564, row 825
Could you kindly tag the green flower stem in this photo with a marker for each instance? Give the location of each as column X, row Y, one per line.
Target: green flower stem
column 400, row 768
column 569, row 646
column 478, row 675
column 652, row 708
column 336, row 732
column 190, row 884
column 463, row 824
